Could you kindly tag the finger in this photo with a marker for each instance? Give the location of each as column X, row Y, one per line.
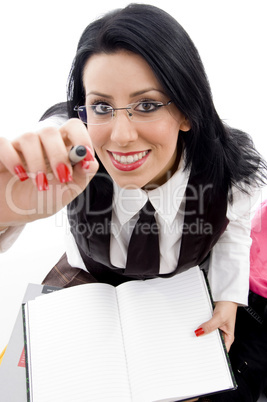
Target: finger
column 56, row 153
column 228, row 340
column 209, row 326
column 30, row 147
column 74, row 132
column 11, row 161
column 85, row 168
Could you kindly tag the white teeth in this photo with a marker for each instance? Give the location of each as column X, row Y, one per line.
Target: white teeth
column 130, row 158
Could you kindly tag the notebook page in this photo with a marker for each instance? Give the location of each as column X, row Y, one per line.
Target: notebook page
column 76, row 346
column 165, row 358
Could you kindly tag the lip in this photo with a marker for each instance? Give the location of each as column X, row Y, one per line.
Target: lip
column 130, row 166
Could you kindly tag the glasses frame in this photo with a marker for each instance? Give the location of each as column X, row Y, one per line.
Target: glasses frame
column 127, row 108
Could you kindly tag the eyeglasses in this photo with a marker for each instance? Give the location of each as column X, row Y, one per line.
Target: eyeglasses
column 142, row 112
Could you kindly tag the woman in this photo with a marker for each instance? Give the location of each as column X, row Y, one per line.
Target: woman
column 138, row 84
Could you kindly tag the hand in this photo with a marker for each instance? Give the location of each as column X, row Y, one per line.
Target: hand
column 224, row 317
column 36, row 177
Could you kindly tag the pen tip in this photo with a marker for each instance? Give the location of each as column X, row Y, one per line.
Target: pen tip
column 81, row 150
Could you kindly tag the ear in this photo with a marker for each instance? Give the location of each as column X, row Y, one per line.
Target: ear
column 185, row 125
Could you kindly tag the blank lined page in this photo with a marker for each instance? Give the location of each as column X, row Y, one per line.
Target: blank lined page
column 76, row 346
column 165, row 358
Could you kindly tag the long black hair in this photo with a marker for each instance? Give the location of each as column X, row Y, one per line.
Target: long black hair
column 223, row 156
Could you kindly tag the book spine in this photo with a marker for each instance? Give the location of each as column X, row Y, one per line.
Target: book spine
column 26, row 355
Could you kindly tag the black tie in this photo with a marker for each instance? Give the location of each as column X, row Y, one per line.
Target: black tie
column 143, row 250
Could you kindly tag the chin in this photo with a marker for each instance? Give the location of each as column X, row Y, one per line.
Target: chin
column 129, row 183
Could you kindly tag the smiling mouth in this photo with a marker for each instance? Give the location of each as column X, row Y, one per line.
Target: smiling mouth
column 129, row 158
column 128, row 161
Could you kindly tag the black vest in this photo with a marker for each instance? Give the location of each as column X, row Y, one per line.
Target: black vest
column 90, row 220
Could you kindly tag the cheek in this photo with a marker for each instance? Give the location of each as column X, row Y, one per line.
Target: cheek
column 163, row 134
column 98, row 137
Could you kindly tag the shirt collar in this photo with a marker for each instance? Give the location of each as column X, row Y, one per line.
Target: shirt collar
column 127, row 202
column 166, row 199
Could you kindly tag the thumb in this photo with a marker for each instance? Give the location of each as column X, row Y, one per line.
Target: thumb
column 86, row 169
column 209, row 326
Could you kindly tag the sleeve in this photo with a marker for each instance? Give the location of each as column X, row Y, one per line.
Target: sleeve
column 53, row 121
column 73, row 255
column 9, row 236
column 229, row 261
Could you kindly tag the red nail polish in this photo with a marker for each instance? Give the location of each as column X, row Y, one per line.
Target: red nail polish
column 89, row 155
column 85, row 164
column 41, row 181
column 21, row 173
column 199, row 331
column 63, row 173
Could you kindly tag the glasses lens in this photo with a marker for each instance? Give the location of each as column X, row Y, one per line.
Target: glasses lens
column 99, row 114
column 82, row 114
column 147, row 111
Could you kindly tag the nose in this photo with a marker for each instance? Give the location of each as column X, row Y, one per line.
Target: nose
column 123, row 130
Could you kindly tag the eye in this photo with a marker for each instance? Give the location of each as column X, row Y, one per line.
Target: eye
column 147, row 107
column 101, row 108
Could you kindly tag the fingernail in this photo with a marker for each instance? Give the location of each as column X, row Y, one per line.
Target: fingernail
column 89, row 155
column 199, row 331
column 85, row 164
column 21, row 173
column 41, row 181
column 63, row 173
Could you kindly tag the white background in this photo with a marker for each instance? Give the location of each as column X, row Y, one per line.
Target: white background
column 38, row 42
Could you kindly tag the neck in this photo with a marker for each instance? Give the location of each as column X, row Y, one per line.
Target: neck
column 170, row 172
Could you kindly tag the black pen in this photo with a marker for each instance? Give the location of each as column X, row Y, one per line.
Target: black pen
column 77, row 154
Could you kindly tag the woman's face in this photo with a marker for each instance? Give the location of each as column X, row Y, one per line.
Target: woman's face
column 134, row 153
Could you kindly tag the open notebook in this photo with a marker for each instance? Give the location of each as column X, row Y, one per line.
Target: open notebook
column 135, row 342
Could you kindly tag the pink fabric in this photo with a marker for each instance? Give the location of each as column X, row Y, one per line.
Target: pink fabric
column 258, row 251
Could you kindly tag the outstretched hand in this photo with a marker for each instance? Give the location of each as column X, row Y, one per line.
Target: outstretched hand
column 36, row 176
column 224, row 317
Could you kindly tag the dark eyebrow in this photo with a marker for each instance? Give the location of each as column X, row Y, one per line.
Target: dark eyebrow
column 132, row 95
column 99, row 94
column 143, row 91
